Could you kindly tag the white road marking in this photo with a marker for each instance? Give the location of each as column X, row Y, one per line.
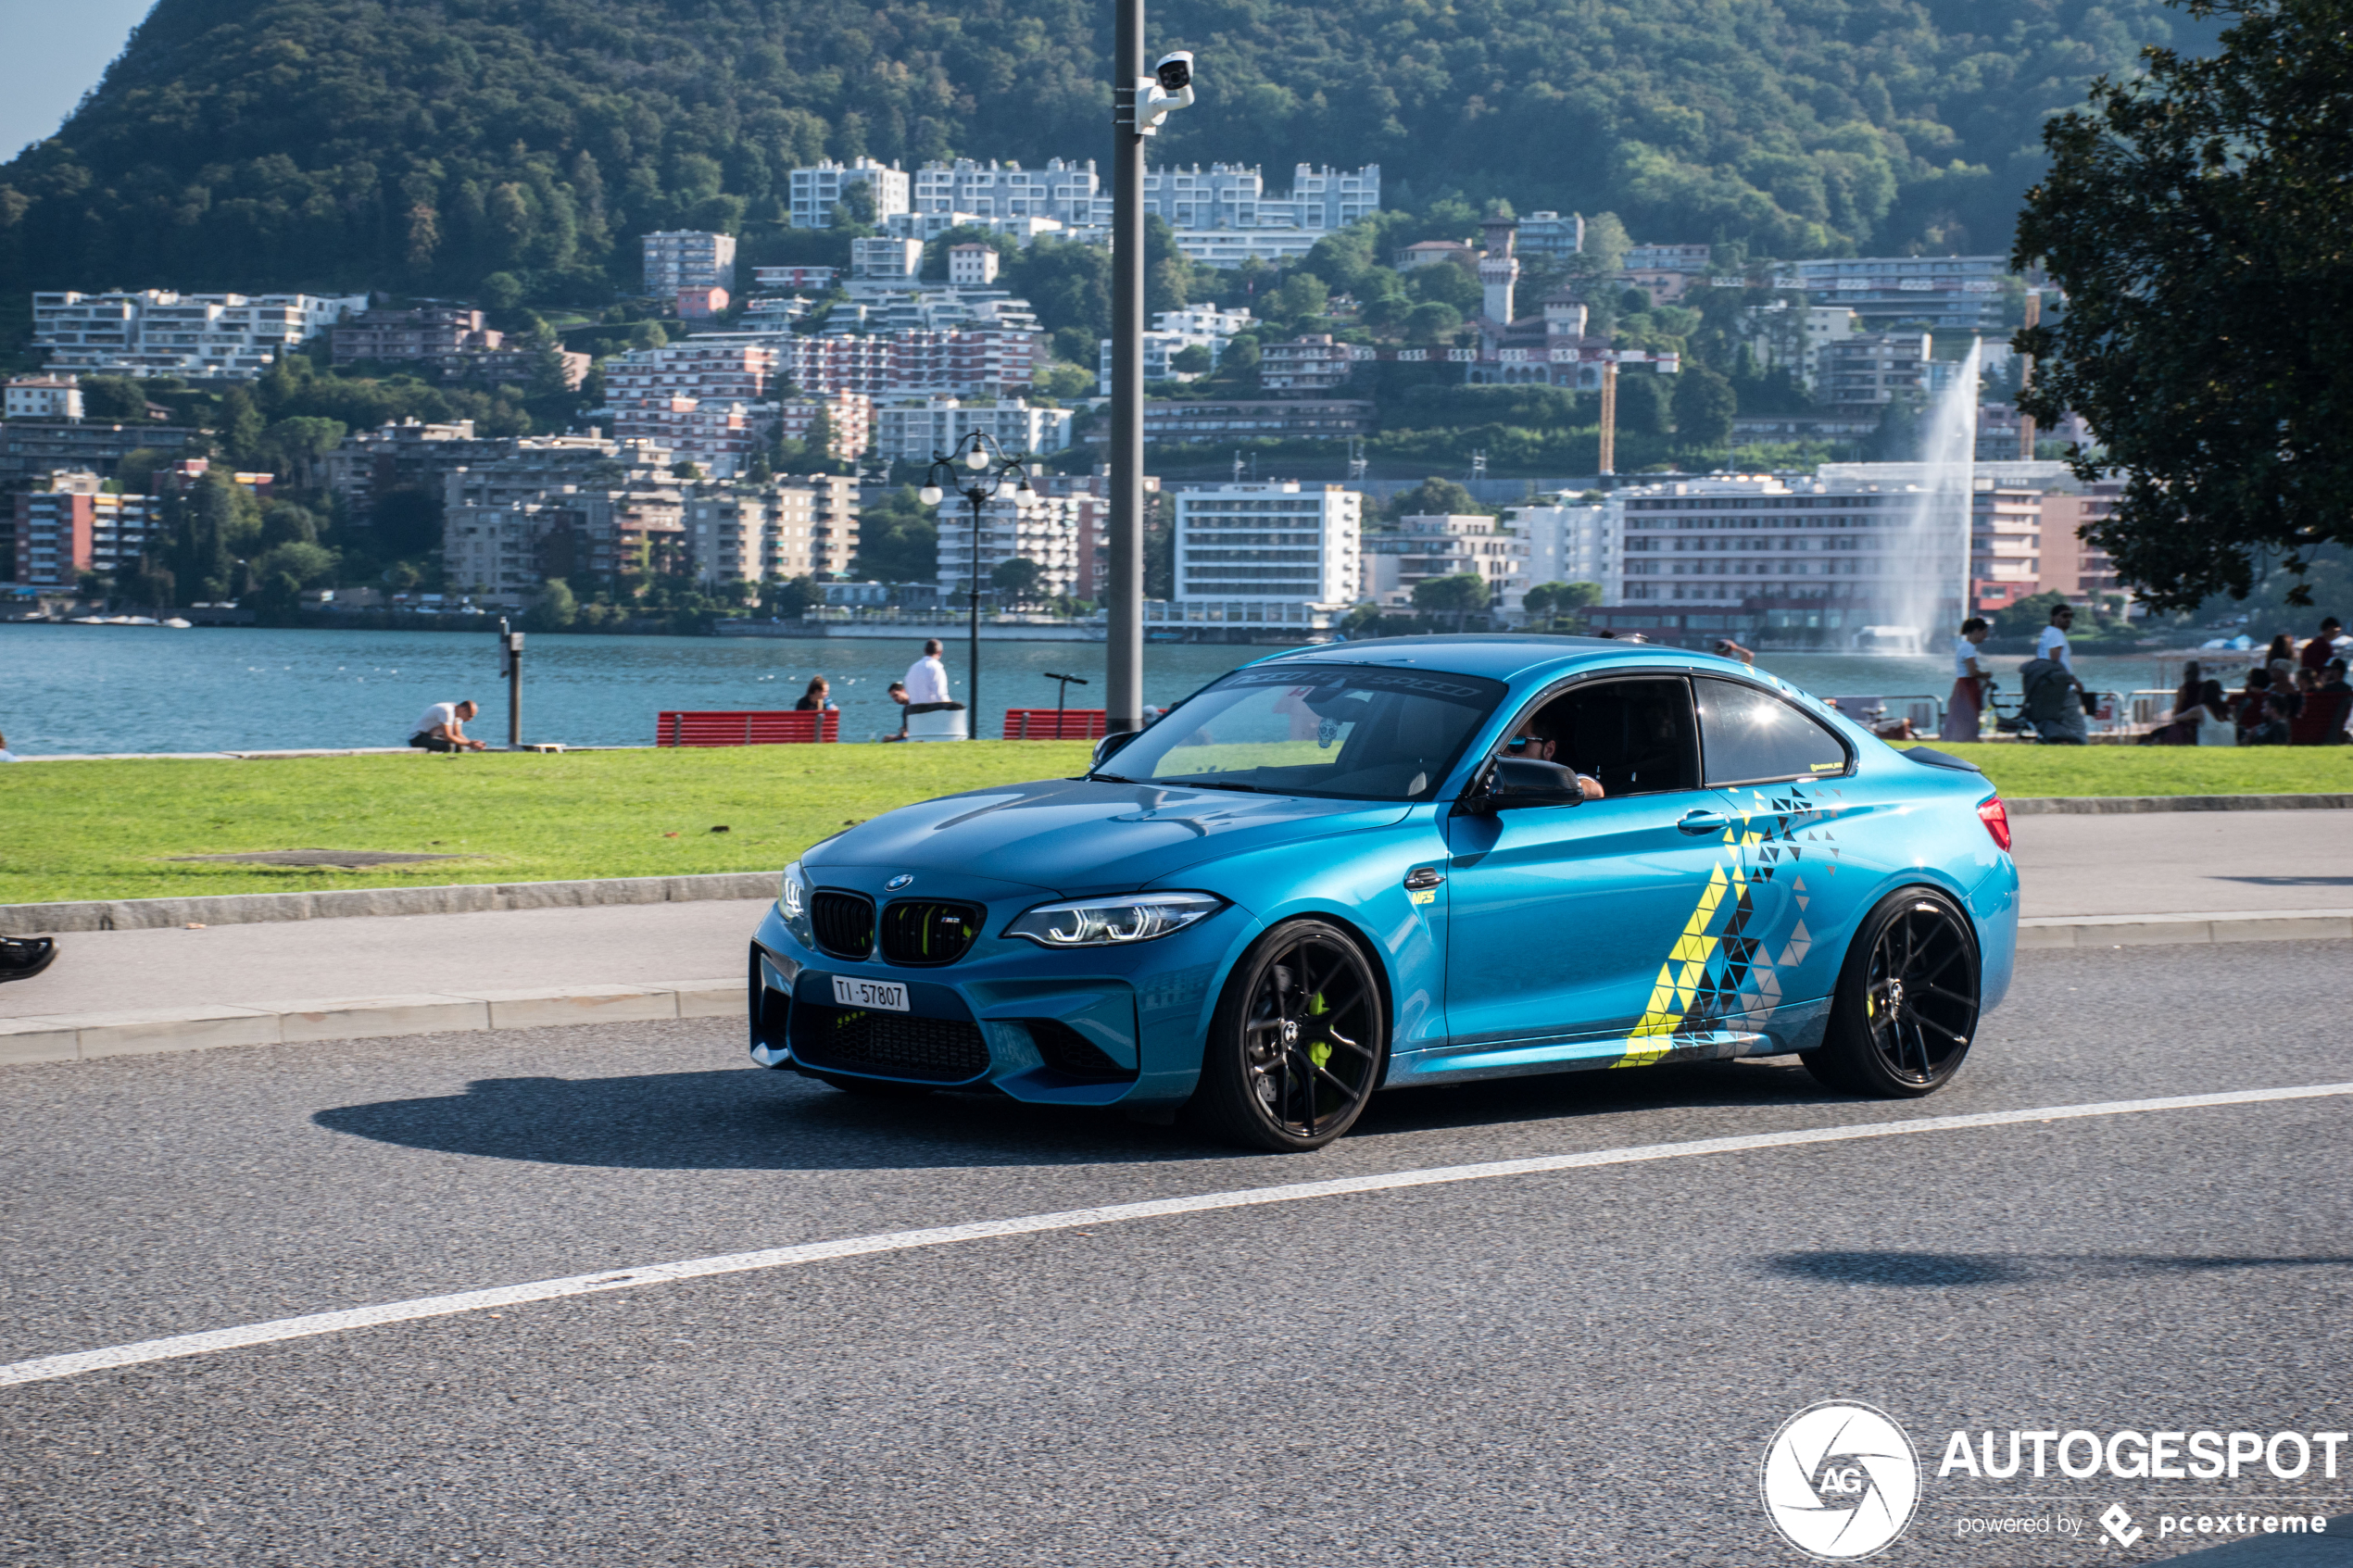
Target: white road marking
column 48, row 1367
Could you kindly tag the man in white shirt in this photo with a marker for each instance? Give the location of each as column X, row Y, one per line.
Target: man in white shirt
column 443, row 728
column 2052, row 643
column 928, row 678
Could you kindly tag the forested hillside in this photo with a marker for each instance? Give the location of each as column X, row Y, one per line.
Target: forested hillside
column 423, row 144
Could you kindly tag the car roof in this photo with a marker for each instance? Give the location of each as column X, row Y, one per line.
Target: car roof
column 1509, row 656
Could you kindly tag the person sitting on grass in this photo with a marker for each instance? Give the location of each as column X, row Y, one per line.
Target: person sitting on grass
column 2320, row 712
column 898, row 694
column 2274, row 730
column 444, row 727
column 2246, row 712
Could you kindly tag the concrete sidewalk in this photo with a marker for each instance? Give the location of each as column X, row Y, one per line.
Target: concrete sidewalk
column 2091, row 881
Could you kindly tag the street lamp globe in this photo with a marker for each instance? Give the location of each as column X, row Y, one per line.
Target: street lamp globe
column 930, row 495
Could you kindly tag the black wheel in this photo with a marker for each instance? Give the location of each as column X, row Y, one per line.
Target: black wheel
column 1297, row 1044
column 1908, row 999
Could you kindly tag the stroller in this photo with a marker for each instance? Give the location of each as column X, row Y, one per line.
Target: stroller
column 2049, row 707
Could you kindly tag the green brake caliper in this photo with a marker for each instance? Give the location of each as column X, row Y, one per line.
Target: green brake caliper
column 1320, row 1052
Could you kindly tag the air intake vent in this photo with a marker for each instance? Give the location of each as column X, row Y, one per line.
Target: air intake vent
column 925, row 931
column 844, row 923
column 1066, row 1050
column 888, row 1045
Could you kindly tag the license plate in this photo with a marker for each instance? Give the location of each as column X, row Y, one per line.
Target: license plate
column 887, row 995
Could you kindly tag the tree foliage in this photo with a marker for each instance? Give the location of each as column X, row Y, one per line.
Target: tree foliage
column 429, row 146
column 2199, row 219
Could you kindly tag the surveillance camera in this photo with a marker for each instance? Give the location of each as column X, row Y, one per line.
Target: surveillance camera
column 1170, row 87
column 1176, row 70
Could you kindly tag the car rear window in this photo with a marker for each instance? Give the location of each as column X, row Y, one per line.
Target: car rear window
column 1350, row 731
column 1751, row 737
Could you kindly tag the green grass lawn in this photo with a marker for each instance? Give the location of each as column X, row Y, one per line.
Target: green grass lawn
column 111, row 830
column 2026, row 770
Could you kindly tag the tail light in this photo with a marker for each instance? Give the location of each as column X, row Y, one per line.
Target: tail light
column 1996, row 818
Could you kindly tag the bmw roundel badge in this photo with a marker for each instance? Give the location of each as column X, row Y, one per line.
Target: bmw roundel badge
column 895, row 883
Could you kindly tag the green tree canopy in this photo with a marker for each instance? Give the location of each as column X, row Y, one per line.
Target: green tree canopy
column 1437, row 497
column 2199, row 219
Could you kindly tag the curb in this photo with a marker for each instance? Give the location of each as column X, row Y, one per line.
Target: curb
column 2141, row 931
column 90, row 1036
column 2126, row 805
column 249, row 908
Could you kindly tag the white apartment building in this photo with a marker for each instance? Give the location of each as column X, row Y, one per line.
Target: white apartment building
column 689, row 259
column 198, row 337
column 1174, row 332
column 1960, row 293
column 1064, row 191
column 790, row 527
column 1280, row 553
column 929, row 226
column 1045, row 528
column 1574, row 541
column 1446, row 545
column 1548, row 236
column 1800, row 339
column 1205, row 321
column 972, row 266
column 914, row 431
column 817, row 190
column 881, row 258
column 1228, row 248
column 44, row 397
column 1823, row 555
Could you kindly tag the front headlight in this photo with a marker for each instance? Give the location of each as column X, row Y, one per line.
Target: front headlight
column 1101, row 922
column 792, row 902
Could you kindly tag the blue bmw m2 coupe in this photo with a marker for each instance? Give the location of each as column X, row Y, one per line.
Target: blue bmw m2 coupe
column 1412, row 861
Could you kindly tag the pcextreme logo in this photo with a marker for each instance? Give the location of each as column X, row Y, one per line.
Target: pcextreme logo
column 1840, row 1481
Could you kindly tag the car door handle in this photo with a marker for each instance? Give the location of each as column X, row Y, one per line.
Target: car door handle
column 1705, row 821
column 1422, row 878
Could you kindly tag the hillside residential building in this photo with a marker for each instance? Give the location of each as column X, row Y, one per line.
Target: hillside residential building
column 972, row 266
column 851, row 414
column 1574, row 541
column 1228, row 248
column 1865, row 373
column 1066, row 191
column 2070, row 564
column 407, row 456
column 29, row 448
column 428, row 331
column 1678, row 259
column 44, row 397
column 1549, row 236
column 1042, row 528
column 1205, row 321
column 1949, row 293
column 916, row 430
column 1798, row 340
column 1425, row 546
column 688, row 258
column 816, row 278
column 1802, row 559
column 197, row 336
column 1280, row 553
column 818, row 189
column 1429, row 252
column 73, row 526
column 2005, row 547
column 590, row 510
column 1309, row 363
column 790, row 527
column 886, row 260
column 1272, row 419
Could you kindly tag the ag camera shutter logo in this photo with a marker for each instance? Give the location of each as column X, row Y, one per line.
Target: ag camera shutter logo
column 1840, row 1481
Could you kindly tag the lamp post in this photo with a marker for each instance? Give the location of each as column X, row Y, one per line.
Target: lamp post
column 977, row 470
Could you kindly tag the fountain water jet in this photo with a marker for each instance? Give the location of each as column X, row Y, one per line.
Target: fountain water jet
column 1928, row 557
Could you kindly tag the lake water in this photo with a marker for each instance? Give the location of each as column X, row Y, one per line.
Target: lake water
column 83, row 689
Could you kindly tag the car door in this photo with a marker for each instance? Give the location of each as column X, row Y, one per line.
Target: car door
column 1805, row 859
column 1569, row 923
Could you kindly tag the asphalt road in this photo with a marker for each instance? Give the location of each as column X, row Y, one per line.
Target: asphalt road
column 1580, row 1366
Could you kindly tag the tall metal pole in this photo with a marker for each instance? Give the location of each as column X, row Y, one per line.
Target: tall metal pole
column 1124, row 640
column 971, row 674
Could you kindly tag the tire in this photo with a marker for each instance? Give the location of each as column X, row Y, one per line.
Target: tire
column 1906, row 1008
column 1303, row 986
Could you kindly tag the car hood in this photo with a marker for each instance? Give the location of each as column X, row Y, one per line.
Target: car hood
column 1076, row 837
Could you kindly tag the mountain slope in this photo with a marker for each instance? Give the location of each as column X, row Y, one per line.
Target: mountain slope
column 423, row 144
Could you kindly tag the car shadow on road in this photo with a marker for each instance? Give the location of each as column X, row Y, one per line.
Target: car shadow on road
column 743, row 1119
column 1933, row 1269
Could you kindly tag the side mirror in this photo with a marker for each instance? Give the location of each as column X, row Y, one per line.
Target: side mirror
column 1523, row 781
column 1109, row 745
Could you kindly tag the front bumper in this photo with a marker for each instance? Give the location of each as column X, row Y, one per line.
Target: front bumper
column 1089, row 1026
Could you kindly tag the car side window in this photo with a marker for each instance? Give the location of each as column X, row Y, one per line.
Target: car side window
column 1750, row 736
column 1636, row 736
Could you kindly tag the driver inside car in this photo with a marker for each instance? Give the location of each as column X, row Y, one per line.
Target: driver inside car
column 1529, row 742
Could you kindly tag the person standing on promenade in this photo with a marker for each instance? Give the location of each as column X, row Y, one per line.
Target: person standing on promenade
column 443, row 728
column 1963, row 710
column 2052, row 643
column 928, row 677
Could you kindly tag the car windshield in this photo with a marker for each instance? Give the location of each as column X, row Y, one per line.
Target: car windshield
column 1352, row 732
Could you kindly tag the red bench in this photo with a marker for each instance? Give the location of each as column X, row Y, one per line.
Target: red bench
column 748, row 728
column 1053, row 723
